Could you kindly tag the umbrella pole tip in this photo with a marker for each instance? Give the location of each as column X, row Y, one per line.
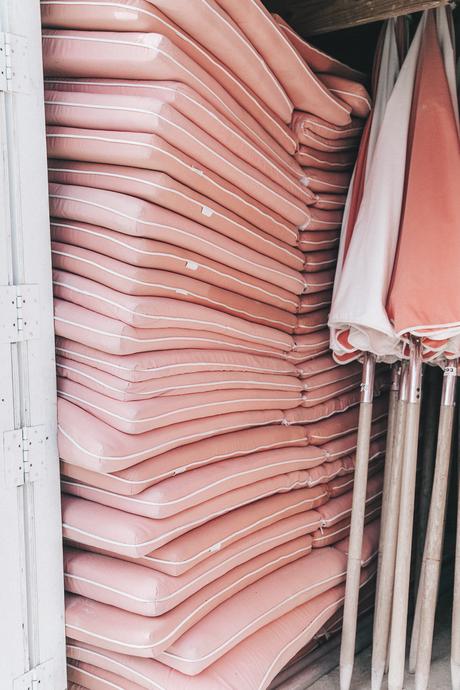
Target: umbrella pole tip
column 346, row 672
column 421, row 682
column 455, row 674
column 377, row 678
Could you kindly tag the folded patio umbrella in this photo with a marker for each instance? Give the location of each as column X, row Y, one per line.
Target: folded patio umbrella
column 426, row 315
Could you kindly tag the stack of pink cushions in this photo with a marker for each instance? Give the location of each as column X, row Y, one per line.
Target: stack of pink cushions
column 207, row 437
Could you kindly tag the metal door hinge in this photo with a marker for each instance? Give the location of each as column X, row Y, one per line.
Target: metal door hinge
column 14, row 63
column 38, row 678
column 24, row 454
column 19, row 313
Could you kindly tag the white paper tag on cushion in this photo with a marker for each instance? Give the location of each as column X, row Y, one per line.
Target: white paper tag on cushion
column 206, row 211
column 215, row 547
column 191, row 265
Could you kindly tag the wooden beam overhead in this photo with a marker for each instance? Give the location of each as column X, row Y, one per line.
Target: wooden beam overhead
column 320, row 16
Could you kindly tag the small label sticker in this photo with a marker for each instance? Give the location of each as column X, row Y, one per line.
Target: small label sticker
column 215, row 547
column 206, row 211
column 191, row 265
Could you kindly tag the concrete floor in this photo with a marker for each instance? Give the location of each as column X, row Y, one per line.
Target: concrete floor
column 440, row 669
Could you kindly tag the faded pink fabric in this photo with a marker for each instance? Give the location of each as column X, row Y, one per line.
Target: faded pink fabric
column 353, row 93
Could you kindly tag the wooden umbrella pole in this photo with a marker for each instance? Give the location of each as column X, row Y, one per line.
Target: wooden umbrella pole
column 397, row 651
column 430, row 416
column 455, row 644
column 387, row 555
column 432, row 555
column 392, row 411
column 350, row 612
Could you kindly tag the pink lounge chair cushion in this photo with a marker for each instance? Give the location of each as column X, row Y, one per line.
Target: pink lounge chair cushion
column 115, row 337
column 150, row 56
column 328, row 536
column 319, row 365
column 330, row 202
column 181, row 384
column 339, row 508
column 150, row 366
column 263, row 119
column 319, row 281
column 150, row 504
column 252, row 664
column 178, row 577
column 204, row 543
column 139, row 416
column 236, row 444
column 185, row 491
column 320, row 260
column 308, row 133
column 349, row 91
column 143, row 635
column 345, row 422
column 136, row 217
column 305, row 122
column 326, row 181
column 325, row 158
column 96, row 525
column 316, row 58
column 140, row 590
column 300, row 83
column 88, row 442
column 274, row 140
column 315, row 300
column 254, row 607
column 211, row 27
column 159, row 254
column 94, row 282
column 309, row 323
column 324, row 410
column 324, row 219
column 151, row 152
column 90, row 574
column 153, row 114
